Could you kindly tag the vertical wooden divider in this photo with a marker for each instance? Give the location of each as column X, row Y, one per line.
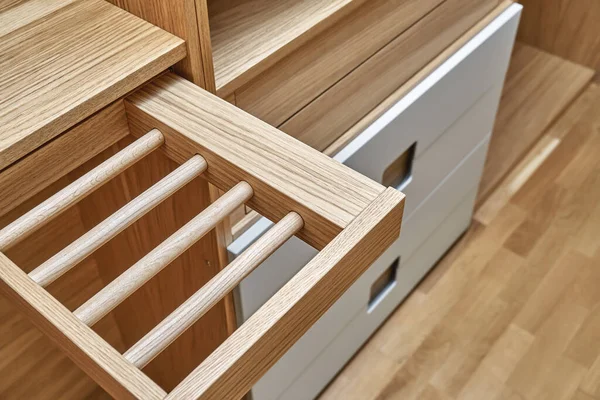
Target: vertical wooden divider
column 187, row 19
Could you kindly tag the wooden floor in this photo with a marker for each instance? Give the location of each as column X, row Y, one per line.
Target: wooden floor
column 513, row 311
column 539, row 86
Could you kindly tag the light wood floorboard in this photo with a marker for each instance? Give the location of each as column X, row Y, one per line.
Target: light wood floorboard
column 513, row 310
column 539, row 86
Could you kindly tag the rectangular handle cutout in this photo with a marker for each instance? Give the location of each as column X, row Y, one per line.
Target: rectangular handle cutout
column 383, row 285
column 398, row 174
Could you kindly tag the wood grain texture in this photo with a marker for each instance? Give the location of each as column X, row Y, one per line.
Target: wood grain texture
column 187, row 19
column 292, row 83
column 44, row 212
column 241, row 49
column 566, row 28
column 538, row 88
column 149, row 305
column 238, row 147
column 235, row 366
column 319, row 139
column 515, row 179
column 99, row 235
column 327, row 117
column 26, row 354
column 18, row 13
column 581, row 110
column 410, row 84
column 88, row 350
column 46, row 165
column 223, row 238
column 494, row 324
column 60, row 69
column 202, row 20
column 237, row 216
column 211, row 293
column 152, row 263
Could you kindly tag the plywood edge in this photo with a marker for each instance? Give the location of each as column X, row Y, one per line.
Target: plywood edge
column 386, row 104
column 285, row 174
column 47, row 98
column 229, row 78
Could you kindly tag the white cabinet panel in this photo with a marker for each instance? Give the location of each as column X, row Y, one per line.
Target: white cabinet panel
column 448, row 116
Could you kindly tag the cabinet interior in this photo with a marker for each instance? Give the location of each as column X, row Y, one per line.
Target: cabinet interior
column 248, row 35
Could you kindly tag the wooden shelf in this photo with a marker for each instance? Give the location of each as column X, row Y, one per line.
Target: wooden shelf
column 63, row 61
column 250, row 35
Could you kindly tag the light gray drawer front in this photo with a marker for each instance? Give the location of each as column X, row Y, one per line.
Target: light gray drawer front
column 450, row 152
column 429, row 170
column 436, row 206
column 433, row 165
column 428, row 110
column 434, row 210
column 323, row 369
column 272, row 274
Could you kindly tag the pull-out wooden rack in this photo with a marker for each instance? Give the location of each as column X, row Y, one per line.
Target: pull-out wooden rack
column 350, row 218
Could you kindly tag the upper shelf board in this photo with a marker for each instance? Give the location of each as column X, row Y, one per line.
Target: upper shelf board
column 251, row 35
column 61, row 61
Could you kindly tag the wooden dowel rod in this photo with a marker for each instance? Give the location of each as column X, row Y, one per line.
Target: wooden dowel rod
column 210, row 294
column 73, row 254
column 86, row 184
column 162, row 255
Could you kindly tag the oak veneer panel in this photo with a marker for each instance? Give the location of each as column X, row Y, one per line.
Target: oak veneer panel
column 237, row 215
column 327, row 117
column 292, row 83
column 60, row 69
column 539, row 86
column 410, row 84
column 326, row 194
column 187, row 19
column 90, row 352
column 18, row 13
column 165, row 253
column 143, row 310
column 26, row 355
column 323, row 128
column 46, row 165
column 250, row 35
column 566, row 28
column 205, row 298
column 223, row 237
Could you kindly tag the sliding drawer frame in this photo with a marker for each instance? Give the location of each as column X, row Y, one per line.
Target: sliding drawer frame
column 349, row 217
